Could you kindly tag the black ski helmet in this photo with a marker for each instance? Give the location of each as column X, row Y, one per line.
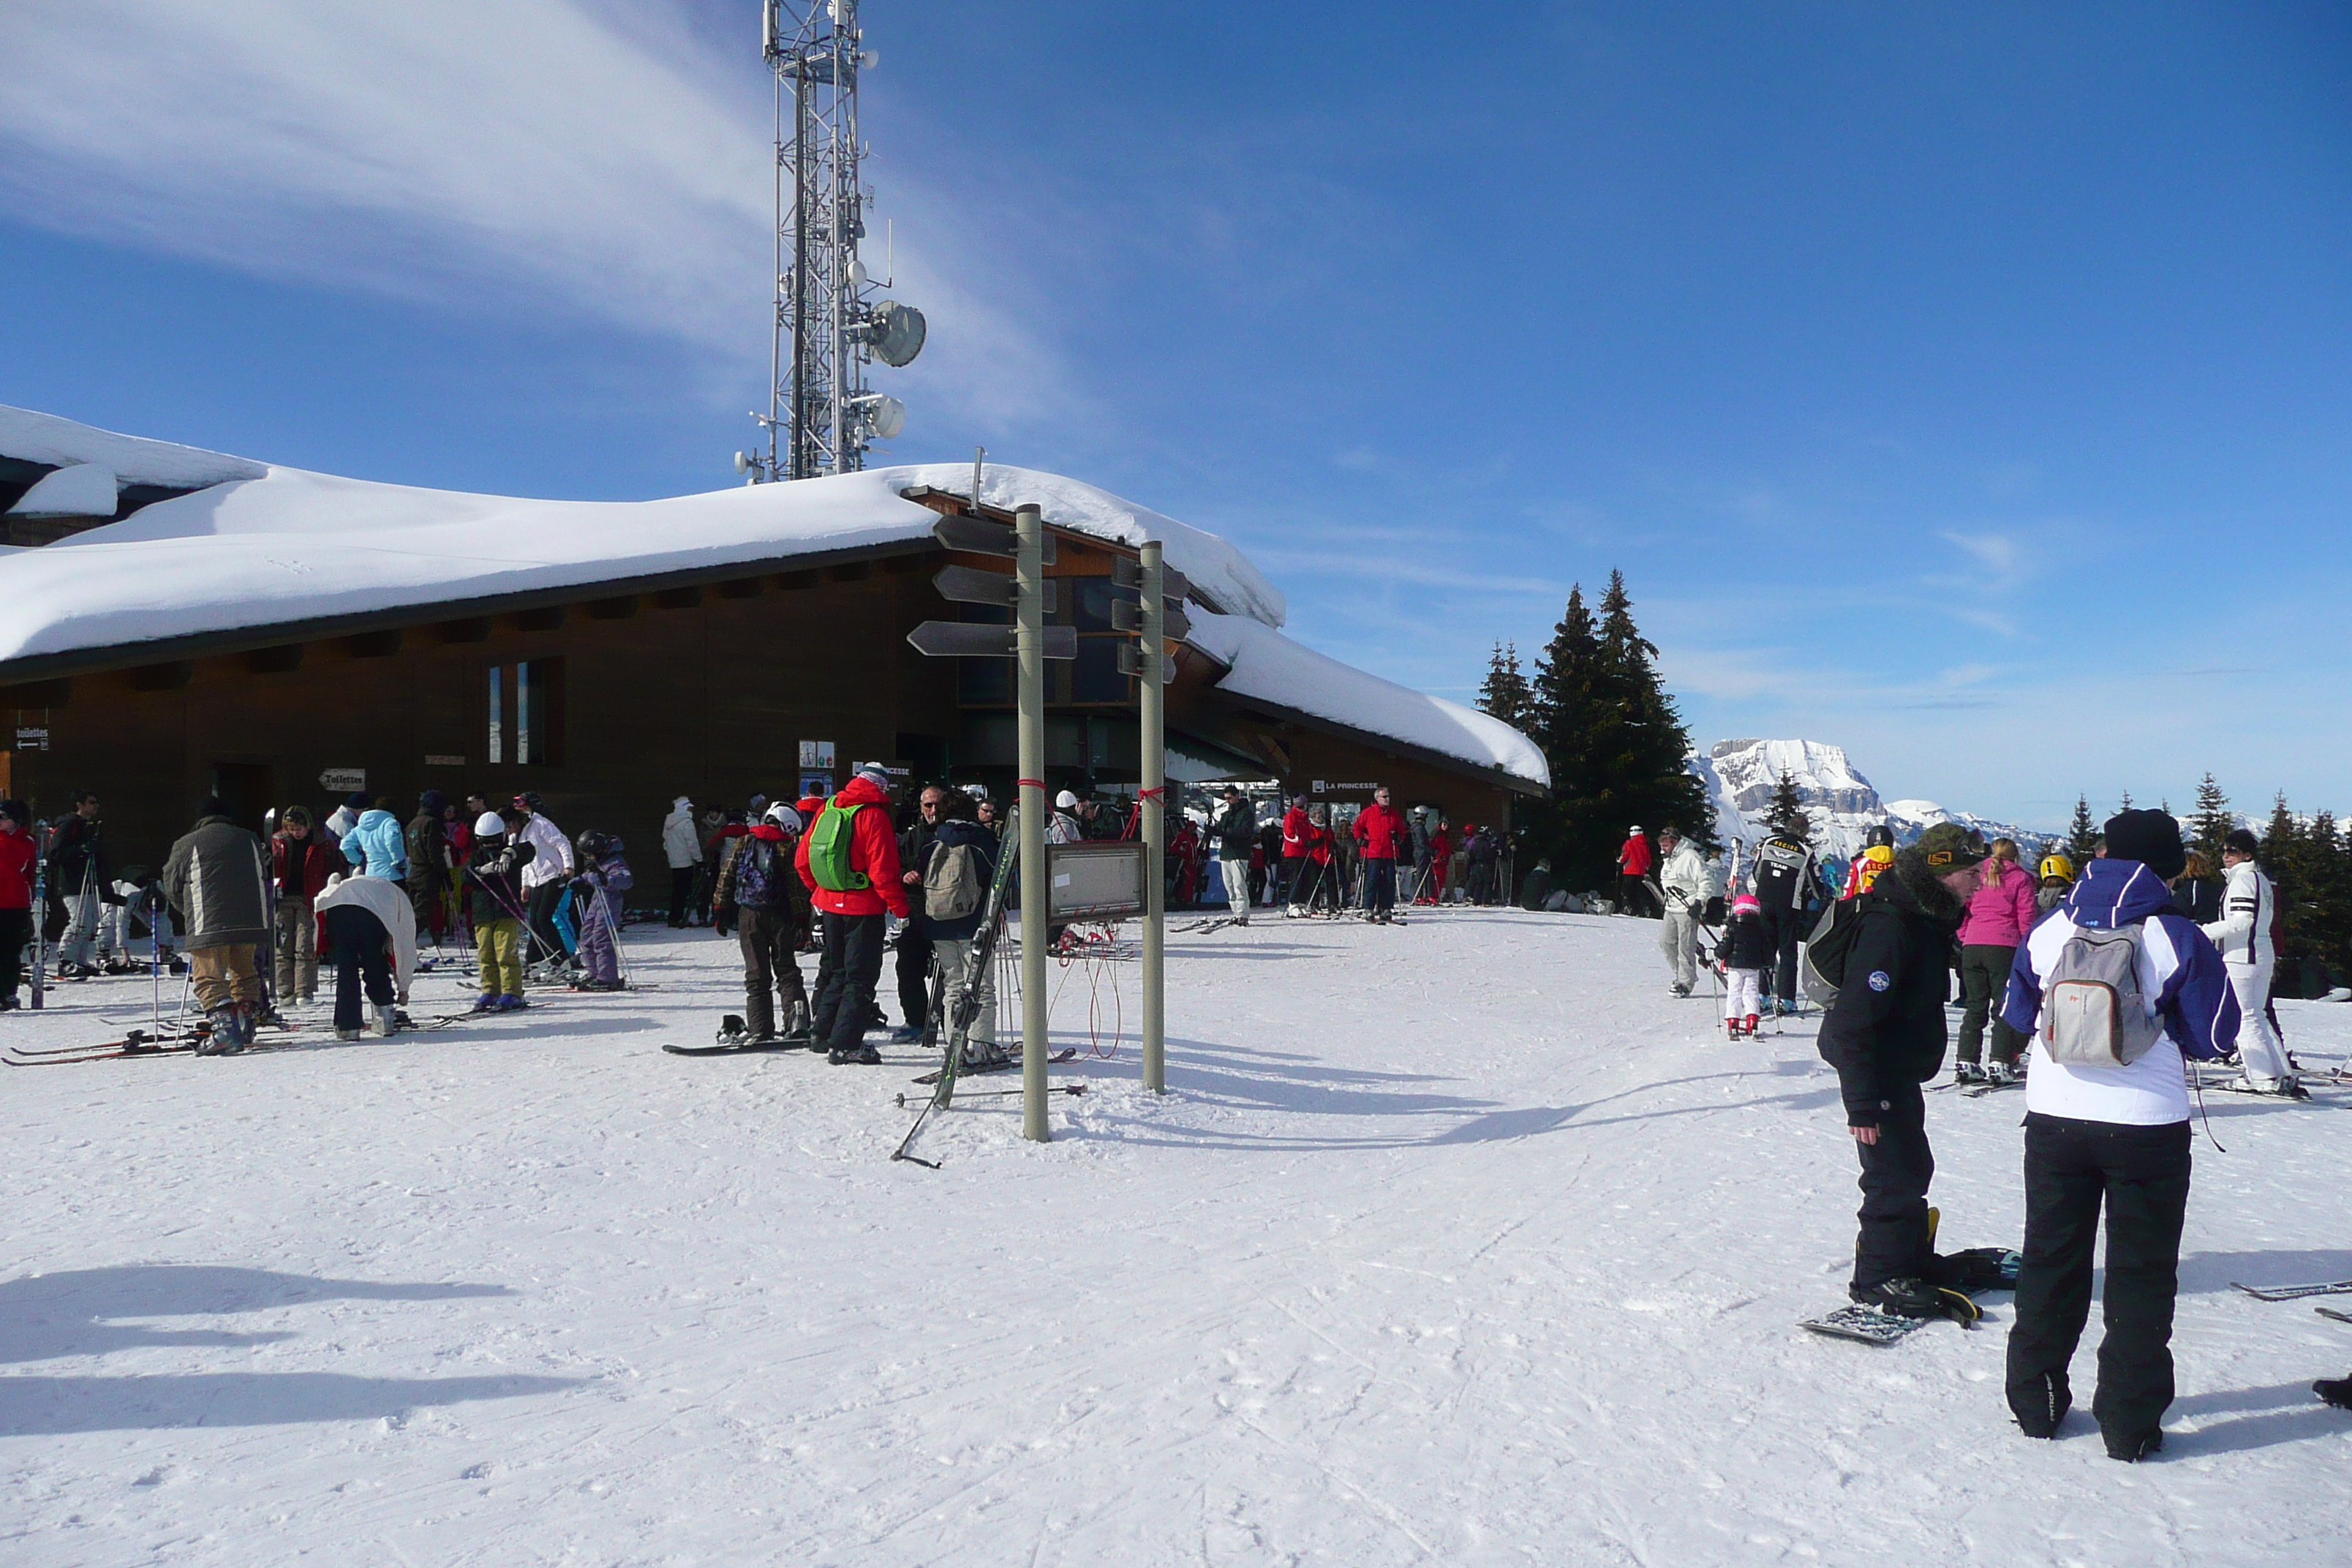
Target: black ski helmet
column 1878, row 835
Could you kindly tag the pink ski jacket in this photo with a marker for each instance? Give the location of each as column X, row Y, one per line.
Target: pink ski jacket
column 2000, row 914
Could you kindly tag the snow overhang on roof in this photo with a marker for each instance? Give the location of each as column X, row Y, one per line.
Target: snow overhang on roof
column 270, row 547
column 1264, row 669
column 57, row 443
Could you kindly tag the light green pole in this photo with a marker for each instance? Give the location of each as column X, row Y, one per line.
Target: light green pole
column 1029, row 649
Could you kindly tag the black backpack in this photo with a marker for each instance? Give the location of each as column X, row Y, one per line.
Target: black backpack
column 1823, row 969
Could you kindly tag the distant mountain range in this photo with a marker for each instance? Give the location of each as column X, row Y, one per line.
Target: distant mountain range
column 1839, row 804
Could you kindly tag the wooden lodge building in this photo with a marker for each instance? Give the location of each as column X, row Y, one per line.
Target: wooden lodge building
column 176, row 624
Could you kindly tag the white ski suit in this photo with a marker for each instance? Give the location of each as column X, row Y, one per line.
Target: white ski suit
column 1688, row 882
column 2248, row 903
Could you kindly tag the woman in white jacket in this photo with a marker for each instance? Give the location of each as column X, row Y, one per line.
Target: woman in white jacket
column 2248, row 905
column 682, row 847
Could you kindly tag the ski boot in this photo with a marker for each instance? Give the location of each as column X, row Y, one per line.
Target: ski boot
column 511, row 1003
column 1968, row 1072
column 906, row 1034
column 1748, row 1026
column 1999, row 1073
column 796, row 1026
column 382, row 1023
column 1679, row 989
column 1731, row 1026
column 225, row 1035
column 487, row 1002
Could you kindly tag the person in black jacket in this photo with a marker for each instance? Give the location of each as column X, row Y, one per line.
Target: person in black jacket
column 954, row 940
column 914, row 935
column 1885, row 1036
column 2195, row 894
column 1745, row 955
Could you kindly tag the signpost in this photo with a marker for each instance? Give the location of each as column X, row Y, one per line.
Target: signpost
column 1030, row 642
column 1157, row 616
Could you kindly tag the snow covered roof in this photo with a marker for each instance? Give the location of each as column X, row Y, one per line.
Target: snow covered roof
column 270, row 546
column 1262, row 665
column 133, row 459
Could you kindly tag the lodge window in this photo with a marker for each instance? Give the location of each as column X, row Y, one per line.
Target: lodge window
column 1093, row 678
column 526, row 713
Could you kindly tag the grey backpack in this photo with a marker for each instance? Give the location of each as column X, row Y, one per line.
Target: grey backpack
column 953, row 886
column 2094, row 1013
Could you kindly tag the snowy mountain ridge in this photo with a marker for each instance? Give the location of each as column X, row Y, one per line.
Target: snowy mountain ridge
column 1839, row 804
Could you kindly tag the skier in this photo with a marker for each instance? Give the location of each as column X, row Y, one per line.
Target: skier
column 77, row 859
column 494, row 868
column 1634, row 864
column 2117, row 1133
column 958, row 864
column 1485, row 864
column 2057, row 881
column 2194, row 893
column 372, row 933
column 375, row 845
column 300, row 867
column 551, row 865
column 458, row 844
column 850, row 863
column 2244, row 935
column 428, row 862
column 1063, row 827
column 217, row 880
column 1877, row 854
column 1688, row 884
column 1781, row 880
column 1235, row 829
column 1999, row 914
column 1298, row 829
column 1885, row 1036
column 762, row 895
column 596, row 892
column 914, row 966
column 1744, row 953
column 1441, row 863
column 682, row 847
column 1379, row 831
column 18, row 856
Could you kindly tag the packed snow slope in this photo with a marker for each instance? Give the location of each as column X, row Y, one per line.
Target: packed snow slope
column 1460, row 1243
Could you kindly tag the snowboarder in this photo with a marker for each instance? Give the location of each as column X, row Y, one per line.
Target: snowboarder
column 1380, row 832
column 2116, row 1131
column 682, row 847
column 217, row 880
column 2244, row 935
column 763, row 897
column 1688, row 884
column 849, row 861
column 1235, row 829
column 1781, row 880
column 1633, row 863
column 1999, row 914
column 1744, row 953
column 495, row 868
column 1885, row 1036
column 372, row 934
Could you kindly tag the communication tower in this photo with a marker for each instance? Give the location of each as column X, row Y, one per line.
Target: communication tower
column 831, row 322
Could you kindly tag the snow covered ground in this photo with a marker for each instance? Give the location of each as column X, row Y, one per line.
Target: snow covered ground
column 1462, row 1243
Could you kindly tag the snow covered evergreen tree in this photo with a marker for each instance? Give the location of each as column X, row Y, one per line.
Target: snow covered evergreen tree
column 2211, row 822
column 2082, row 833
column 1788, row 804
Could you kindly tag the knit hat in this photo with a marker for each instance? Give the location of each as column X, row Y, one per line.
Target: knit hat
column 489, row 823
column 875, row 775
column 359, row 800
column 1746, row 904
column 1948, row 846
column 2150, row 837
column 211, row 806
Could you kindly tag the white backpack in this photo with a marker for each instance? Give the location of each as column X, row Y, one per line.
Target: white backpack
column 952, row 884
column 2094, row 1013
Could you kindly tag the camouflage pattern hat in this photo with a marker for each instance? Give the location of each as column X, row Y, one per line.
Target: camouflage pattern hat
column 1948, row 846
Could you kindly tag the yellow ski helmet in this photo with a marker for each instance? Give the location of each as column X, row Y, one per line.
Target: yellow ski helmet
column 2057, row 868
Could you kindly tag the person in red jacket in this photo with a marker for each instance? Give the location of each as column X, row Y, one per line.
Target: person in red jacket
column 1633, row 863
column 17, row 855
column 849, row 859
column 1441, row 863
column 1297, row 836
column 301, row 858
column 1379, row 834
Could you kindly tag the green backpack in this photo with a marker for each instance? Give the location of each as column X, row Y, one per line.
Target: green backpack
column 828, row 849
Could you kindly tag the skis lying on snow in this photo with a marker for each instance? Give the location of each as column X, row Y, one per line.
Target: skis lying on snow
column 1872, row 1327
column 739, row 1048
column 1070, row 1089
column 2332, row 1313
column 2294, row 1292
column 1979, row 1091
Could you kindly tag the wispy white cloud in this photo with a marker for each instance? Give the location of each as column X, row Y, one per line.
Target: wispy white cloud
column 553, row 156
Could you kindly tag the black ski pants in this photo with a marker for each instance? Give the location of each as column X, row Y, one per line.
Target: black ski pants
column 769, row 938
column 2141, row 1173
column 15, row 935
column 1380, row 886
column 1894, row 1243
column 914, row 972
column 1788, row 929
column 1984, row 982
column 357, row 939
column 681, row 892
column 542, row 920
column 846, row 977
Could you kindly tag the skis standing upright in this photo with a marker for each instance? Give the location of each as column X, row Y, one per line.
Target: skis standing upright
column 962, row 1008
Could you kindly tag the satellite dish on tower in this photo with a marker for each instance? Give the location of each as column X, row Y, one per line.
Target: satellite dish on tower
column 899, row 330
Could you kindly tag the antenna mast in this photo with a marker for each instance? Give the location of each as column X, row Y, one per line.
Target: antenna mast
column 829, row 324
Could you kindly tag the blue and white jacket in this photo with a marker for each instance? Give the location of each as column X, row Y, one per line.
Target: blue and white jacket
column 2180, row 973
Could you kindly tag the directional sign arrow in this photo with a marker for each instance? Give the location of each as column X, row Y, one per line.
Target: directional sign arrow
column 977, row 585
column 978, row 536
column 1126, row 615
column 1128, row 573
column 959, row 639
column 1130, row 662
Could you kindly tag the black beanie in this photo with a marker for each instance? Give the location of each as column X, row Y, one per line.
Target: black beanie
column 2150, row 837
column 211, row 808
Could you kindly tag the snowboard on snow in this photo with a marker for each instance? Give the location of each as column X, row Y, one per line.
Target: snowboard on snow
column 1993, row 1269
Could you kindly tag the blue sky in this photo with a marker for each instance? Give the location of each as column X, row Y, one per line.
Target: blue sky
column 1967, row 386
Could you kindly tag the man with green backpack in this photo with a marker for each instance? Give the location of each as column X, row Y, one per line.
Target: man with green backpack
column 849, row 860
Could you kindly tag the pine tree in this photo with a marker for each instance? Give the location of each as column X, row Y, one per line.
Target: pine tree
column 2211, row 822
column 1506, row 693
column 2285, row 856
column 2328, row 927
column 1787, row 807
column 2082, row 833
column 2123, row 804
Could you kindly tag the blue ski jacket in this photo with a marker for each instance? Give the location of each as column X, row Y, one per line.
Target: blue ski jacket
column 377, row 846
